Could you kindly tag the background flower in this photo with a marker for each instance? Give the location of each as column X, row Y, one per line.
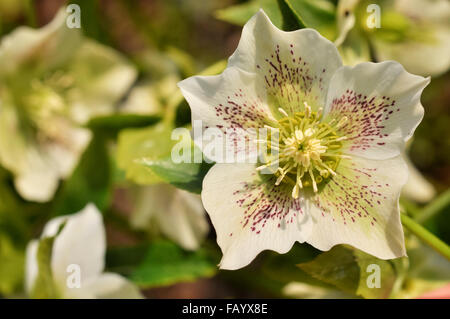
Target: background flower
column 77, row 240
column 52, row 81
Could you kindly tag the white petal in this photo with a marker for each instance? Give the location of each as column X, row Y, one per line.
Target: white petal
column 177, row 213
column 303, row 290
column 359, row 207
column 106, row 286
column 31, row 265
column 233, row 104
column 102, row 76
column 251, row 215
column 53, row 226
column 293, row 66
column 45, row 47
column 417, row 187
column 43, row 165
column 81, row 242
column 382, row 104
column 345, row 19
column 430, row 53
column 38, row 186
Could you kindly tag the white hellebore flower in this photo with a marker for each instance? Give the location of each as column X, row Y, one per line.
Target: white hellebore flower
column 414, row 32
column 342, row 130
column 176, row 213
column 77, row 254
column 52, row 80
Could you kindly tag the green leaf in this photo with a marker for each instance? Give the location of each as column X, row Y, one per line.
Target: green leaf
column 13, row 211
column 387, row 273
column 347, row 269
column 44, row 286
column 91, row 20
column 337, row 267
column 239, row 14
column 167, row 264
column 275, row 9
column 187, row 176
column 316, row 14
column 90, row 182
column 117, row 122
column 11, row 266
column 146, row 157
column 125, row 259
column 282, row 268
column 152, row 143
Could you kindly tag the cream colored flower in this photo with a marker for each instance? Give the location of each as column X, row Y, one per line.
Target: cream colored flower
column 415, row 33
column 79, row 246
column 52, row 80
column 176, row 213
column 342, row 130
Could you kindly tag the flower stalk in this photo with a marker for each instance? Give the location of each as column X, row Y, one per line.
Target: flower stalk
column 426, row 236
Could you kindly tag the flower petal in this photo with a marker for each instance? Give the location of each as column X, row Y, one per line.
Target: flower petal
column 359, row 207
column 45, row 47
column 106, row 286
column 101, row 76
column 292, row 66
column 250, row 214
column 38, row 167
column 382, row 104
column 230, row 102
column 177, row 213
column 417, row 188
column 82, row 242
column 428, row 52
column 31, row 265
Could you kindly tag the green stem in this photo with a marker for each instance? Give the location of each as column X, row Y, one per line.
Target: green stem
column 30, row 12
column 427, row 237
column 436, row 206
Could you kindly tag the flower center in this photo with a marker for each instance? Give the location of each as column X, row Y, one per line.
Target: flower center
column 308, row 149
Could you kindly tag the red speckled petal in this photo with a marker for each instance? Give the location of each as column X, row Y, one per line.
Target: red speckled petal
column 292, row 66
column 382, row 104
column 231, row 103
column 250, row 214
column 359, row 207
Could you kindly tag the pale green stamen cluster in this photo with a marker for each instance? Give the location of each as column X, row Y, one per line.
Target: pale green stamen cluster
column 308, row 149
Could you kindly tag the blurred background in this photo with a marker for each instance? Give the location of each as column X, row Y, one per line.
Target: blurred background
column 164, row 41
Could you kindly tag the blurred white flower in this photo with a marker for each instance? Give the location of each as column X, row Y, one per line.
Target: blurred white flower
column 52, row 80
column 151, row 98
column 81, row 243
column 415, row 33
column 417, row 188
column 176, row 213
column 303, row 290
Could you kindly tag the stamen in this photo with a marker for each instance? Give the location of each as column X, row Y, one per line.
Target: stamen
column 283, row 112
column 308, row 148
column 270, row 127
column 295, row 191
column 328, row 169
column 307, row 109
column 342, row 121
column 260, row 168
column 336, row 155
column 311, row 174
column 319, row 112
column 283, row 171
